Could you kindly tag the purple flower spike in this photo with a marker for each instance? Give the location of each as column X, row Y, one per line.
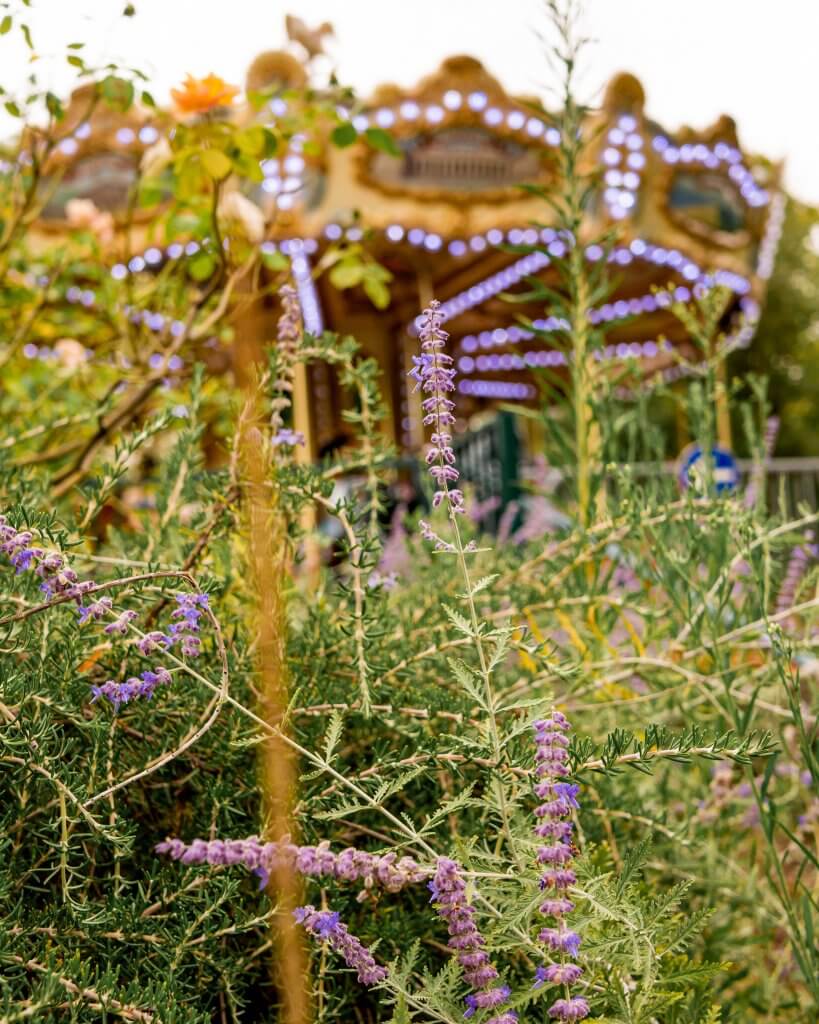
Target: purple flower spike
column 434, row 374
column 429, row 534
column 556, row 854
column 557, row 974
column 326, row 925
column 465, row 940
column 387, row 871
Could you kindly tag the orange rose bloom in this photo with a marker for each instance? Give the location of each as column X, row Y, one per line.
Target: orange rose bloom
column 198, row 95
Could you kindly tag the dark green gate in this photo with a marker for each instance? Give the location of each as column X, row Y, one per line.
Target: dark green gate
column 489, row 460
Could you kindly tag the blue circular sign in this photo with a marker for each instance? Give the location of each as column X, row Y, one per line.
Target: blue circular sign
column 723, row 467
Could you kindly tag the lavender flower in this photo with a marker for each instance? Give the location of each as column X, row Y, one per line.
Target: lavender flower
column 120, row 623
column 153, row 641
column 384, row 581
column 557, row 974
column 48, row 565
column 326, row 925
column 795, row 571
column 187, row 615
column 434, row 374
column 429, row 534
column 288, row 330
column 132, row 688
column 440, row 544
column 559, row 799
column 575, row 1008
column 288, row 437
column 351, row 865
column 465, row 940
column 288, row 334
column 96, row 610
column 757, row 476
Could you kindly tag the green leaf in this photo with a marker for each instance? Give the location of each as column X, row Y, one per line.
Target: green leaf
column 275, row 260
column 401, row 1014
column 376, row 291
column 248, row 167
column 216, row 163
column 12, row 108
column 27, row 36
column 5, row 25
column 483, row 583
column 129, row 11
column 333, row 735
column 251, row 140
column 344, row 135
column 462, row 624
column 54, row 106
column 75, row 61
column 147, row 98
column 117, row 92
column 201, row 266
column 470, row 684
column 383, row 141
column 347, row 274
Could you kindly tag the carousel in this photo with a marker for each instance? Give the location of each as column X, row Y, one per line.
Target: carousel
column 443, row 214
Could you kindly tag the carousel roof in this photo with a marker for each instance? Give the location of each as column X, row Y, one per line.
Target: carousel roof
column 691, row 208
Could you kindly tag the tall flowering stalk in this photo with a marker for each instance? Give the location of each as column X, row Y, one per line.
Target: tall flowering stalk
column 434, row 374
column 288, row 338
column 465, row 940
column 758, row 472
column 794, row 573
column 555, row 855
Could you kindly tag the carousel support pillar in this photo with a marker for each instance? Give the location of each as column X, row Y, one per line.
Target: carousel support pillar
column 681, row 424
column 723, row 409
column 306, row 455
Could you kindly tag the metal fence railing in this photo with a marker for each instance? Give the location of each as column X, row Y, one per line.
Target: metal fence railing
column 489, row 458
column 492, row 460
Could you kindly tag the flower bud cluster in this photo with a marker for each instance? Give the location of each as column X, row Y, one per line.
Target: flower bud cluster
column 60, row 581
column 388, row 871
column 287, row 437
column 434, row 374
column 559, row 799
column 465, row 940
column 794, row 573
column 326, row 925
column 288, row 337
column 184, row 630
column 123, row 693
column 440, row 544
column 50, row 566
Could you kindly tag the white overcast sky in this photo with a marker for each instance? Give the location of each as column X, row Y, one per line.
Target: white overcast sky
column 757, row 60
